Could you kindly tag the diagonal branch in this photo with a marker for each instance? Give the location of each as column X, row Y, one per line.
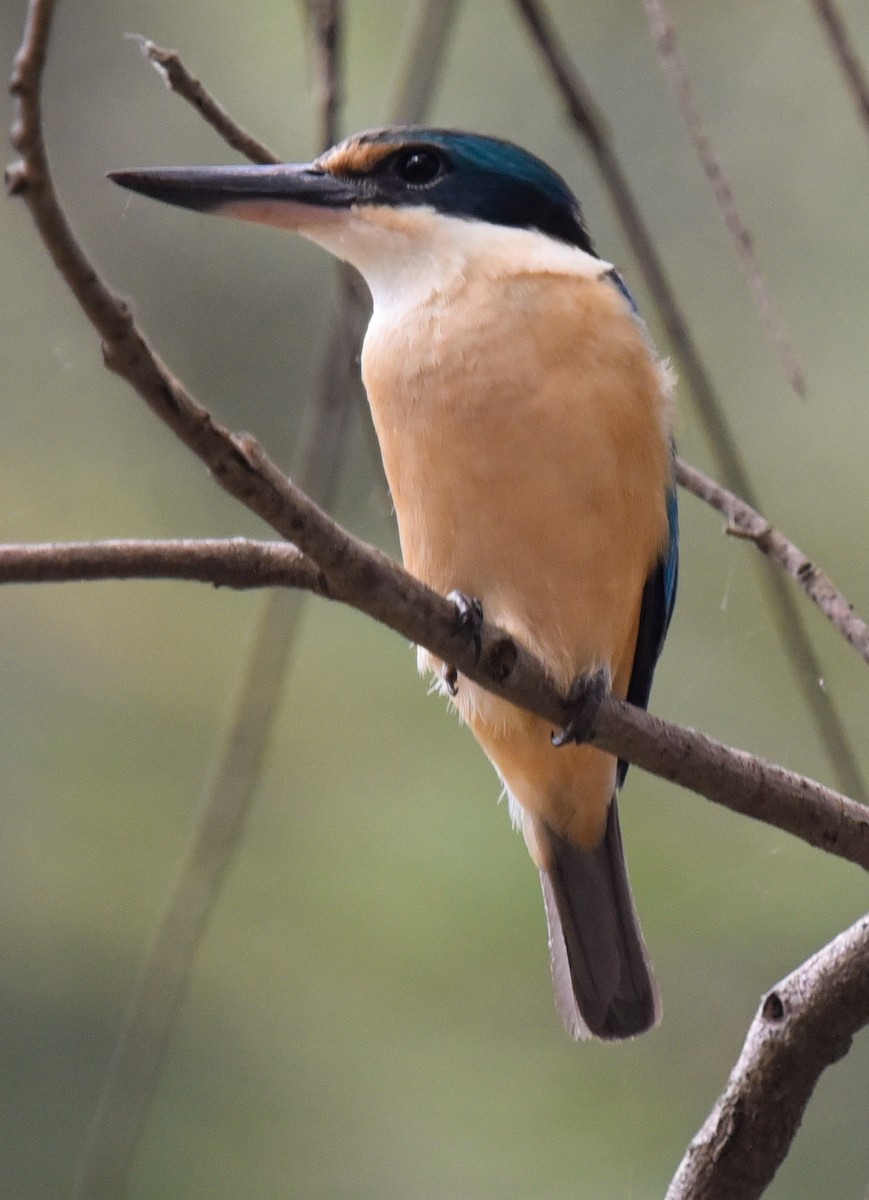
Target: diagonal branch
column 831, row 18
column 587, row 121
column 746, row 522
column 804, row 1024
column 423, row 61
column 374, row 584
column 664, row 36
column 324, row 17
column 181, row 81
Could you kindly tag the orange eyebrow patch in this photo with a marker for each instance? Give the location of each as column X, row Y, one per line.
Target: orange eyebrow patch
column 355, row 156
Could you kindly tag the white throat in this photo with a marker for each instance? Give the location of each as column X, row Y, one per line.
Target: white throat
column 406, row 255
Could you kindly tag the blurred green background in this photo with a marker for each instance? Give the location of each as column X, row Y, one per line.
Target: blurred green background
column 371, row 1013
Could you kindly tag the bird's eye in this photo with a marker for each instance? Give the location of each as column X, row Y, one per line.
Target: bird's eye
column 418, row 167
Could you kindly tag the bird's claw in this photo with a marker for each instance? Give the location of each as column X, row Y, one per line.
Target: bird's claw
column 469, row 621
column 584, row 699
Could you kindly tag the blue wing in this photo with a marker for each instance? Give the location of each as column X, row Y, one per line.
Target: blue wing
column 659, row 597
column 659, row 594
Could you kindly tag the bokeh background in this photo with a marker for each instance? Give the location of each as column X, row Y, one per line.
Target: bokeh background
column 371, row 1015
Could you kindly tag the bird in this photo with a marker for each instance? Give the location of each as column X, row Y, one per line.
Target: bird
column 525, row 422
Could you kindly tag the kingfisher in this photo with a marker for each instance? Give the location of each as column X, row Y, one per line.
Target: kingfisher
column 525, row 423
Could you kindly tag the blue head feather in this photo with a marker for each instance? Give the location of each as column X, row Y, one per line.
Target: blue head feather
column 483, row 178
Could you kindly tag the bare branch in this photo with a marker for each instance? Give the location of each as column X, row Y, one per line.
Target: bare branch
column 831, row 18
column 324, row 17
column 225, row 562
column 363, row 578
column 423, row 61
column 664, row 36
column 179, row 80
column 805, row 1024
column 736, row 780
column 745, row 522
column 586, row 119
column 140, row 1051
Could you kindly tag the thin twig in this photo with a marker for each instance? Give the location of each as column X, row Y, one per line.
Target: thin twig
column 664, row 36
column 179, row 80
column 324, row 17
column 422, row 62
column 803, row 1025
column 831, row 18
column 586, row 118
column 746, row 522
column 140, row 1051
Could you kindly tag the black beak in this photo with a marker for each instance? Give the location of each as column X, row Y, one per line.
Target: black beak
column 284, row 194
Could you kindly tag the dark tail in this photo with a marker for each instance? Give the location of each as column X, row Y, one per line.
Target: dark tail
column 600, row 968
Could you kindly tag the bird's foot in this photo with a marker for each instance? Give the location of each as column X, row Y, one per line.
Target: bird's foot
column 584, row 699
column 469, row 621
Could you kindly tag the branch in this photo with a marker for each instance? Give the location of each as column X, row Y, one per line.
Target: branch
column 745, row 522
column 368, row 581
column 423, row 61
column 837, row 31
column 736, row 780
column 664, row 37
column 587, row 121
column 138, row 1056
column 224, row 562
column 324, row 19
column 803, row 1025
column 179, row 80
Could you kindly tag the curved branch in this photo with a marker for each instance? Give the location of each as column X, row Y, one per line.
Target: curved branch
column 804, row 1024
column 736, row 780
column 746, row 522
